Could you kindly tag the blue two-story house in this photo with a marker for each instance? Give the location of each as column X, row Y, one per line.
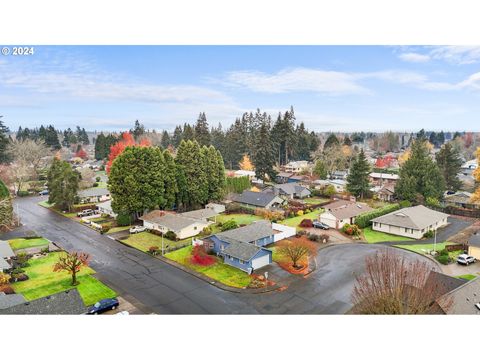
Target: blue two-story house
column 243, row 247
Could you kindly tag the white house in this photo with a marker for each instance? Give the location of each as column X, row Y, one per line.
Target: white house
column 337, row 216
column 183, row 226
column 249, row 173
column 218, row 208
column 94, row 195
column 106, row 208
column 296, row 166
column 412, row 222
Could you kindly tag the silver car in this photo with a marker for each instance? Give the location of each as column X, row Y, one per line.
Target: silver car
column 465, row 259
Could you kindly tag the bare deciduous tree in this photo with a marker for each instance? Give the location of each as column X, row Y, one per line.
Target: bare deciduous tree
column 31, row 152
column 88, row 178
column 392, row 284
column 296, row 249
column 72, row 263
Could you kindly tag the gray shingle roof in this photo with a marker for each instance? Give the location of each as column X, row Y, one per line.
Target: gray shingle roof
column 290, row 188
column 63, row 303
column 416, row 217
column 241, row 250
column 7, row 301
column 349, row 210
column 4, row 264
column 260, row 199
column 200, row 214
column 474, row 240
column 255, row 231
column 5, row 250
column 96, row 191
column 462, row 300
column 174, row 222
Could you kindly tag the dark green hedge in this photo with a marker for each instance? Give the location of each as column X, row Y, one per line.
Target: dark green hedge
column 363, row 220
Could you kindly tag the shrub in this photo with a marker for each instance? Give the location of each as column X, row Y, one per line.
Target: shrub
column 124, row 220
column 313, row 237
column 45, row 250
column 22, row 193
column 429, row 234
column 20, row 277
column 237, row 184
column 324, row 237
column 22, row 258
column 270, row 214
column 434, row 202
column 97, row 179
column 4, row 279
column 170, row 235
column 352, row 230
column 443, row 252
column 229, row 225
column 95, row 184
column 7, row 289
column 200, row 256
column 308, row 211
column 153, row 250
column 17, row 271
column 301, row 232
column 300, row 213
column 405, row 203
column 443, row 259
column 306, row 223
column 363, row 220
column 206, row 231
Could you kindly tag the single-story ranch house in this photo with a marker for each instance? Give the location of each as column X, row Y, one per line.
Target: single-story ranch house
column 183, row 226
column 291, row 191
column 461, row 199
column 412, row 222
column 253, row 199
column 243, row 247
column 94, row 195
column 345, row 213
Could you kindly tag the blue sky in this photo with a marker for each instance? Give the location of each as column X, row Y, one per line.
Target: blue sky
column 332, row 88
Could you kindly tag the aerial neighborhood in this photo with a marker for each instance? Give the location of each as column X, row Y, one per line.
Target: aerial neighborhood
column 148, row 215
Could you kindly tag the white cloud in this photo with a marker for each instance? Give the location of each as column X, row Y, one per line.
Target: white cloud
column 414, row 57
column 297, row 80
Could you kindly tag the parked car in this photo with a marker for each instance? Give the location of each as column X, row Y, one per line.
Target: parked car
column 319, row 225
column 137, row 229
column 86, row 212
column 465, row 259
column 43, row 192
column 102, row 306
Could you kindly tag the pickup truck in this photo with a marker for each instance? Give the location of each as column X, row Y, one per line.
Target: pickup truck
column 86, row 212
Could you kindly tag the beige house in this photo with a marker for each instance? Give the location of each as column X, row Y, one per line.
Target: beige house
column 183, row 226
column 345, row 213
column 412, row 222
column 474, row 246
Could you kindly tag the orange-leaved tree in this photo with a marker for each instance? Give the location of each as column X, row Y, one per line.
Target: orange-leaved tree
column 296, row 249
column 246, row 163
column 476, row 174
column 72, row 262
column 117, row 148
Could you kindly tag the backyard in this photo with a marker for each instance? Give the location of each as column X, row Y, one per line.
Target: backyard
column 241, row 219
column 295, row 221
column 43, row 281
column 372, row 236
column 218, row 271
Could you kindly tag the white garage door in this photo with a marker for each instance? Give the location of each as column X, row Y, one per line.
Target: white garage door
column 330, row 222
column 259, row 262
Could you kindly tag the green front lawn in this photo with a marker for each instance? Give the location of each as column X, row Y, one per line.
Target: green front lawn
column 424, row 248
column 372, row 236
column 219, row 271
column 45, row 204
column 316, row 200
column 467, row 277
column 295, row 221
column 117, row 229
column 145, row 240
column 43, row 281
column 21, row 243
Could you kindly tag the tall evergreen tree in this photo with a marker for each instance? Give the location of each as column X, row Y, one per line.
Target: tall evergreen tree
column 51, row 138
column 202, row 132
column 420, row 177
column 177, row 136
column 449, row 163
column 265, row 154
column 332, row 140
column 320, row 169
column 4, row 141
column 171, row 187
column 188, row 132
column 218, row 138
column 284, row 134
column 138, row 130
column 62, row 182
column 165, row 139
column 357, row 180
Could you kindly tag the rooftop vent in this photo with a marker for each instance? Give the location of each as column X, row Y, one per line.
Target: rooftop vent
column 401, row 214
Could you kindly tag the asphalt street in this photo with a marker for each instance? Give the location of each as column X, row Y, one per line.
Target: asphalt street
column 156, row 287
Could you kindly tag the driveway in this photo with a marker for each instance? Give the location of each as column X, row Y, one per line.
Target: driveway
column 335, row 236
column 153, row 286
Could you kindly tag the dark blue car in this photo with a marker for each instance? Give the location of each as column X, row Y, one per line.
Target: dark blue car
column 102, row 306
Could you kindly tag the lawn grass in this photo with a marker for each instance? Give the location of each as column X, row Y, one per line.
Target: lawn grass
column 102, row 185
column 241, row 219
column 117, row 229
column 467, row 277
column 45, row 204
column 145, row 240
column 43, row 281
column 372, row 236
column 295, row 221
column 21, row 243
column 315, row 200
column 219, row 271
column 418, row 248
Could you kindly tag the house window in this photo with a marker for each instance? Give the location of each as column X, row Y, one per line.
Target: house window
column 241, row 262
column 411, row 230
column 406, row 230
column 194, row 228
column 222, row 247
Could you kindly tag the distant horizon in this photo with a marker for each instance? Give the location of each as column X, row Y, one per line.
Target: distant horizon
column 332, row 88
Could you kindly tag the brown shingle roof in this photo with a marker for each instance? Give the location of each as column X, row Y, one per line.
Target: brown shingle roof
column 350, row 210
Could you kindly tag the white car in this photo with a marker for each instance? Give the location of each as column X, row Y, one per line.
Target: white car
column 137, row 229
column 465, row 259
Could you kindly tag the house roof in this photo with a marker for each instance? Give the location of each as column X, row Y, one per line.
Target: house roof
column 5, row 250
column 106, row 205
column 241, row 250
column 376, row 175
column 474, row 240
column 7, row 301
column 284, row 174
column 349, row 210
column 443, row 283
column 335, row 204
column 200, row 214
column 96, row 191
column 462, row 300
column 291, row 188
column 254, row 231
column 387, row 189
column 261, row 199
column 461, row 197
column 63, row 303
column 416, row 217
column 172, row 221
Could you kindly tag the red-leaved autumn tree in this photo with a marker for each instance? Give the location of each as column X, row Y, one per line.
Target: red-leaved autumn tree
column 72, row 263
column 117, row 148
column 200, row 257
column 82, row 154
